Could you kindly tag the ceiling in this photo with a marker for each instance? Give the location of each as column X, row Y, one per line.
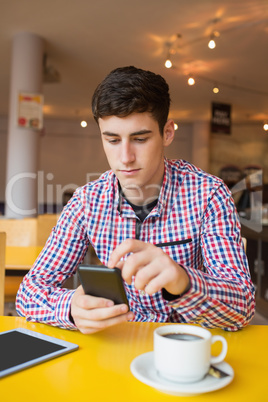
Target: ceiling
column 86, row 39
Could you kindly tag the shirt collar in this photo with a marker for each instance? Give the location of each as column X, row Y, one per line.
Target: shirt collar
column 122, row 206
column 125, row 209
column 165, row 191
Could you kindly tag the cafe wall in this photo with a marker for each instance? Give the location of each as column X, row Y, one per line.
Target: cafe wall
column 246, row 145
column 69, row 155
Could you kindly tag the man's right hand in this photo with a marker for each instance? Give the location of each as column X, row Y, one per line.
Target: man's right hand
column 92, row 314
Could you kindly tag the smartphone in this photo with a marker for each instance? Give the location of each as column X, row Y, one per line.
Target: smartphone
column 105, row 282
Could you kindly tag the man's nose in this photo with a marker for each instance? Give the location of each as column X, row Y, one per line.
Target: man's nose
column 127, row 153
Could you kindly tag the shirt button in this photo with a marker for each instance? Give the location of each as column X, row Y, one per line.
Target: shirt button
column 142, row 293
column 151, row 316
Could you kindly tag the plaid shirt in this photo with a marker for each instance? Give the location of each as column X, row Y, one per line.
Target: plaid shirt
column 192, row 206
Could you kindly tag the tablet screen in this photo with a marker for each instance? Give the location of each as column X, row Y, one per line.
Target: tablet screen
column 23, row 348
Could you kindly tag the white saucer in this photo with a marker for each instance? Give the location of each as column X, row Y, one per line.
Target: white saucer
column 142, row 367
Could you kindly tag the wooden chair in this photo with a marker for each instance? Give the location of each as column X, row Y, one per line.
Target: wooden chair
column 45, row 223
column 20, row 233
column 245, row 243
column 2, row 271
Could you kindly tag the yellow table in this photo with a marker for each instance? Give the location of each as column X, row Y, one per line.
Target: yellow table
column 21, row 258
column 100, row 369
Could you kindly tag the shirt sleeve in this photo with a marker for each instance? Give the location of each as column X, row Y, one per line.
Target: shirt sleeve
column 41, row 296
column 221, row 293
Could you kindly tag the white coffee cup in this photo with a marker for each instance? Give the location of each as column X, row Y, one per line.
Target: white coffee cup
column 181, row 360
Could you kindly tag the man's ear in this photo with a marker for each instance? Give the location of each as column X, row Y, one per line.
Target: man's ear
column 168, row 133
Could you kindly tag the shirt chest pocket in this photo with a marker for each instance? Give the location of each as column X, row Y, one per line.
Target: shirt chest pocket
column 183, row 251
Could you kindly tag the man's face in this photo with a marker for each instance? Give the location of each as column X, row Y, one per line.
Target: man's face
column 134, row 149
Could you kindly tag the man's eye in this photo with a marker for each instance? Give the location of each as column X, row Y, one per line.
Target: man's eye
column 140, row 139
column 115, row 141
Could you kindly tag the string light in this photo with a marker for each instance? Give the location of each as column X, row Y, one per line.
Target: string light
column 191, row 81
column 216, row 89
column 212, row 44
column 83, row 123
column 172, row 50
column 168, row 63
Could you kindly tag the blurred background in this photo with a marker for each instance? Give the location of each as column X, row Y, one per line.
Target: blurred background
column 212, row 53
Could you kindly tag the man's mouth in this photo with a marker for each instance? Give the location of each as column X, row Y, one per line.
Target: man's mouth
column 129, row 172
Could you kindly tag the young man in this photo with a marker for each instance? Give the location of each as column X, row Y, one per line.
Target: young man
column 170, row 227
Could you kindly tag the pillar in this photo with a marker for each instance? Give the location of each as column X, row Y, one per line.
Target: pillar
column 22, row 145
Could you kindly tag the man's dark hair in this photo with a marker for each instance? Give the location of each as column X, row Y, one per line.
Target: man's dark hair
column 129, row 90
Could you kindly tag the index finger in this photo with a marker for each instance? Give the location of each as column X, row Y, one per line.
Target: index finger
column 126, row 247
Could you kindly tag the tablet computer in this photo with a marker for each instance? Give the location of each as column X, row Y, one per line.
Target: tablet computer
column 21, row 348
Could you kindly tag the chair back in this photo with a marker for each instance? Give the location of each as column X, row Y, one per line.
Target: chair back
column 45, row 223
column 245, row 243
column 19, row 232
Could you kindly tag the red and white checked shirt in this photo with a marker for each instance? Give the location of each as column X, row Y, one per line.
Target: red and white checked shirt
column 192, row 205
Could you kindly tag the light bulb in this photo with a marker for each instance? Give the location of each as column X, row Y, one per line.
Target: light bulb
column 176, row 126
column 212, row 44
column 191, row 81
column 168, row 64
column 83, row 123
column 216, row 90
column 265, row 126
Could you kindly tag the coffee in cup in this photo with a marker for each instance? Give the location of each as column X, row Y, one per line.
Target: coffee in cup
column 182, row 353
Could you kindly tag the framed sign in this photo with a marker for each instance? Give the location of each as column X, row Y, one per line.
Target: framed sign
column 221, row 118
column 30, row 110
